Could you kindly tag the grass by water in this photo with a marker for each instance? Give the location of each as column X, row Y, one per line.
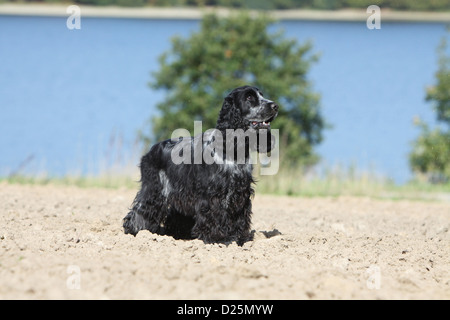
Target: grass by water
column 292, row 182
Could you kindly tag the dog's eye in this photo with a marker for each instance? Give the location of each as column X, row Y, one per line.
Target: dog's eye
column 250, row 98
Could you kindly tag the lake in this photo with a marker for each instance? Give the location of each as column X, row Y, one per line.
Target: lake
column 72, row 101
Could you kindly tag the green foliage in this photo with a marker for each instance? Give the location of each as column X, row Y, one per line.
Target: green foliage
column 432, row 5
column 440, row 93
column 431, row 154
column 123, row 3
column 326, row 4
column 431, row 151
column 200, row 71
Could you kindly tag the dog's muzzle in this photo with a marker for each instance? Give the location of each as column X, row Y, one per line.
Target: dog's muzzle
column 265, row 124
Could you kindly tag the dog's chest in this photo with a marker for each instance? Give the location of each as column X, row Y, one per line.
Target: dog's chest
column 235, row 173
column 238, row 181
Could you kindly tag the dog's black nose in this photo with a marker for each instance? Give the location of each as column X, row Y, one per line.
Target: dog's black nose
column 274, row 106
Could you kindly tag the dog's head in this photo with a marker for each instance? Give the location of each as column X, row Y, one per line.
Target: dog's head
column 246, row 108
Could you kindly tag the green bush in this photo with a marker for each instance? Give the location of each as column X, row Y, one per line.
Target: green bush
column 198, row 72
column 431, row 154
column 431, row 151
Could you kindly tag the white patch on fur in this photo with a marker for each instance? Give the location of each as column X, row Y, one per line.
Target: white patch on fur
column 167, row 188
column 226, row 201
column 230, row 164
column 261, row 98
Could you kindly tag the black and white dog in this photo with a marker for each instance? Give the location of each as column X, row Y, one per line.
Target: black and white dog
column 201, row 187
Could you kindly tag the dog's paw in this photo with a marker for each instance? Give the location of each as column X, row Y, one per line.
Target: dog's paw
column 128, row 226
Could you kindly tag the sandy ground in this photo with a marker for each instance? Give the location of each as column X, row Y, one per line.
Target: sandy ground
column 67, row 243
column 58, row 10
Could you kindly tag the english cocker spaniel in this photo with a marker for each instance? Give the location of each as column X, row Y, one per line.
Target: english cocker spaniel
column 201, row 187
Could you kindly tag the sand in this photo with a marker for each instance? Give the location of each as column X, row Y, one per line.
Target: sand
column 60, row 242
column 59, row 10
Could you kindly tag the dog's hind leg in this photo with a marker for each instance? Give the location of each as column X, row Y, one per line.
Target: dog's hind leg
column 144, row 215
column 134, row 222
column 149, row 208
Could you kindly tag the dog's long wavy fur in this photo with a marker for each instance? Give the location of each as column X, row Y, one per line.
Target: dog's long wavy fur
column 211, row 202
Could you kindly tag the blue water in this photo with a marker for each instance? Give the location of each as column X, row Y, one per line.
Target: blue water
column 64, row 94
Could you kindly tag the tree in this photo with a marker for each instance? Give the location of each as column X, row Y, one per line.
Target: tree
column 198, row 72
column 431, row 151
column 440, row 93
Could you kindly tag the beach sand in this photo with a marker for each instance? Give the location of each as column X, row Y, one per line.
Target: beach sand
column 59, row 10
column 61, row 242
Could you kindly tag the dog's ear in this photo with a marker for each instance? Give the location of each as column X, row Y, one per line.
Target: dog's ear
column 230, row 116
column 229, row 99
